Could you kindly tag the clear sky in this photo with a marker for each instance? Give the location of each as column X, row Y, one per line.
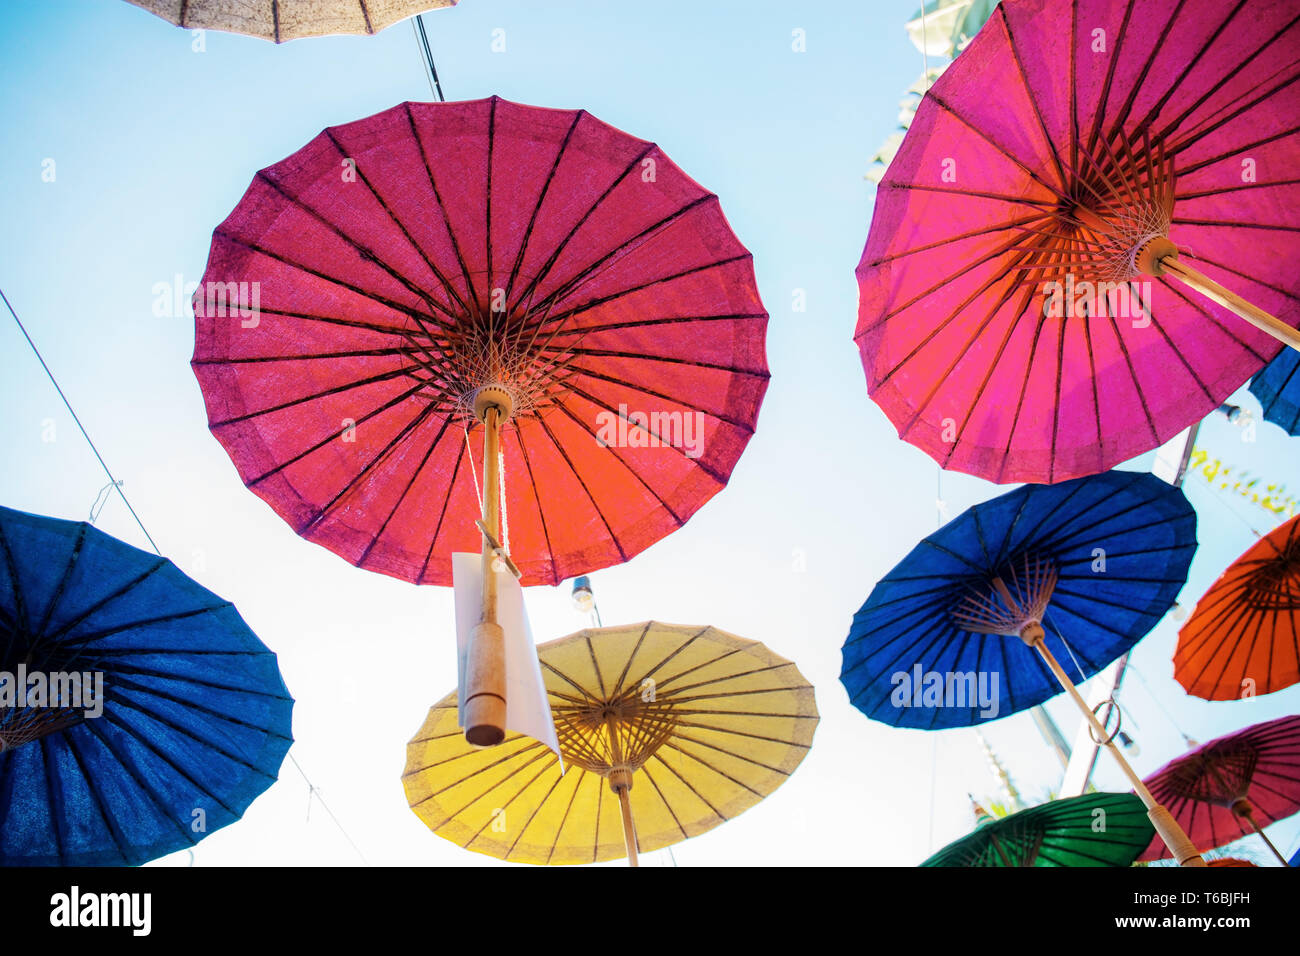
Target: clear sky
column 153, row 144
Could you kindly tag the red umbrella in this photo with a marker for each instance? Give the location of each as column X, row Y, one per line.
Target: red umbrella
column 403, row 280
column 1232, row 786
column 1025, row 312
column 1244, row 638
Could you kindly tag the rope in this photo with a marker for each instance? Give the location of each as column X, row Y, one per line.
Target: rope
column 501, row 486
column 112, row 480
column 114, row 483
column 469, row 451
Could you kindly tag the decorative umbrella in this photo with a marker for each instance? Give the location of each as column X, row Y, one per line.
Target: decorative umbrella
column 1278, row 391
column 282, row 20
column 686, row 726
column 1024, row 312
column 138, row 713
column 438, row 269
column 1244, row 638
column 1230, row 861
column 1231, row 786
column 1095, row 829
column 956, row 634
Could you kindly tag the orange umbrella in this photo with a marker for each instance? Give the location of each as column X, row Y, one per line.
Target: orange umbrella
column 1244, row 638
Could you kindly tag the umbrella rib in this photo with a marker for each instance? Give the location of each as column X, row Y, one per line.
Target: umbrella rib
column 369, row 295
column 391, row 403
column 1033, row 100
column 335, row 390
column 595, row 667
column 218, row 747
column 632, row 386
column 974, row 128
column 671, row 744
column 1213, row 322
column 363, row 253
column 401, row 498
column 544, row 271
column 57, row 597
column 472, row 306
column 541, row 199
column 532, row 484
column 112, row 596
column 633, row 472
column 487, row 210
column 669, row 320
column 1189, row 64
column 1051, row 204
column 1231, row 112
column 645, row 770
column 561, row 317
column 581, row 483
column 1195, row 167
column 568, row 807
column 145, row 622
column 437, row 273
column 1122, row 115
column 355, row 480
column 640, row 642
column 142, row 783
column 1179, row 120
column 442, row 515
column 119, row 839
column 1105, row 89
column 645, row 357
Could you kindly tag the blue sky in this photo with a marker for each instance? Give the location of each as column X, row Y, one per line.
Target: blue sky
column 153, row 144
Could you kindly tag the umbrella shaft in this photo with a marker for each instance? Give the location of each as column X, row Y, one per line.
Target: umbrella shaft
column 1172, row 834
column 491, row 512
column 1250, row 818
column 485, row 667
column 1256, row 316
column 629, row 829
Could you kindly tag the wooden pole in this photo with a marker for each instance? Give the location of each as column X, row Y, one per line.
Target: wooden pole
column 1243, row 809
column 620, row 781
column 1170, row 832
column 485, row 669
column 1264, row 321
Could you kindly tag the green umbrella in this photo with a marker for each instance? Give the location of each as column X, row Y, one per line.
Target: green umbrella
column 1096, row 829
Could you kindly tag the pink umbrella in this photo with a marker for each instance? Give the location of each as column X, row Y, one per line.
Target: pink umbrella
column 1025, row 311
column 1232, row 786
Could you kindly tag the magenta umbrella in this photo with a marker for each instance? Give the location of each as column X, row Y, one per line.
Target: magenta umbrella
column 1232, row 786
column 1026, row 309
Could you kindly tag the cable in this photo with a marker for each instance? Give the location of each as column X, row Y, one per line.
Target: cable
column 316, row 792
column 435, row 86
column 116, row 484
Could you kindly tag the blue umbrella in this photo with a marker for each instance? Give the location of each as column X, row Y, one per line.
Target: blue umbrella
column 138, row 713
column 972, row 624
column 1278, row 389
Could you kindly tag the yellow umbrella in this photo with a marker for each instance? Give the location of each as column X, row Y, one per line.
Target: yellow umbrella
column 666, row 732
column 282, row 20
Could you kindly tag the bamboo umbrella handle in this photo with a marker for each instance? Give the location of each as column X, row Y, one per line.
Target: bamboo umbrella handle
column 1243, row 809
column 620, row 781
column 1264, row 321
column 629, row 828
column 485, row 668
column 1171, row 833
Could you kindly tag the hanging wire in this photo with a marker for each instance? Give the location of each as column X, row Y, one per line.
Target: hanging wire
column 113, row 481
column 315, row 791
column 422, row 40
column 1160, row 705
